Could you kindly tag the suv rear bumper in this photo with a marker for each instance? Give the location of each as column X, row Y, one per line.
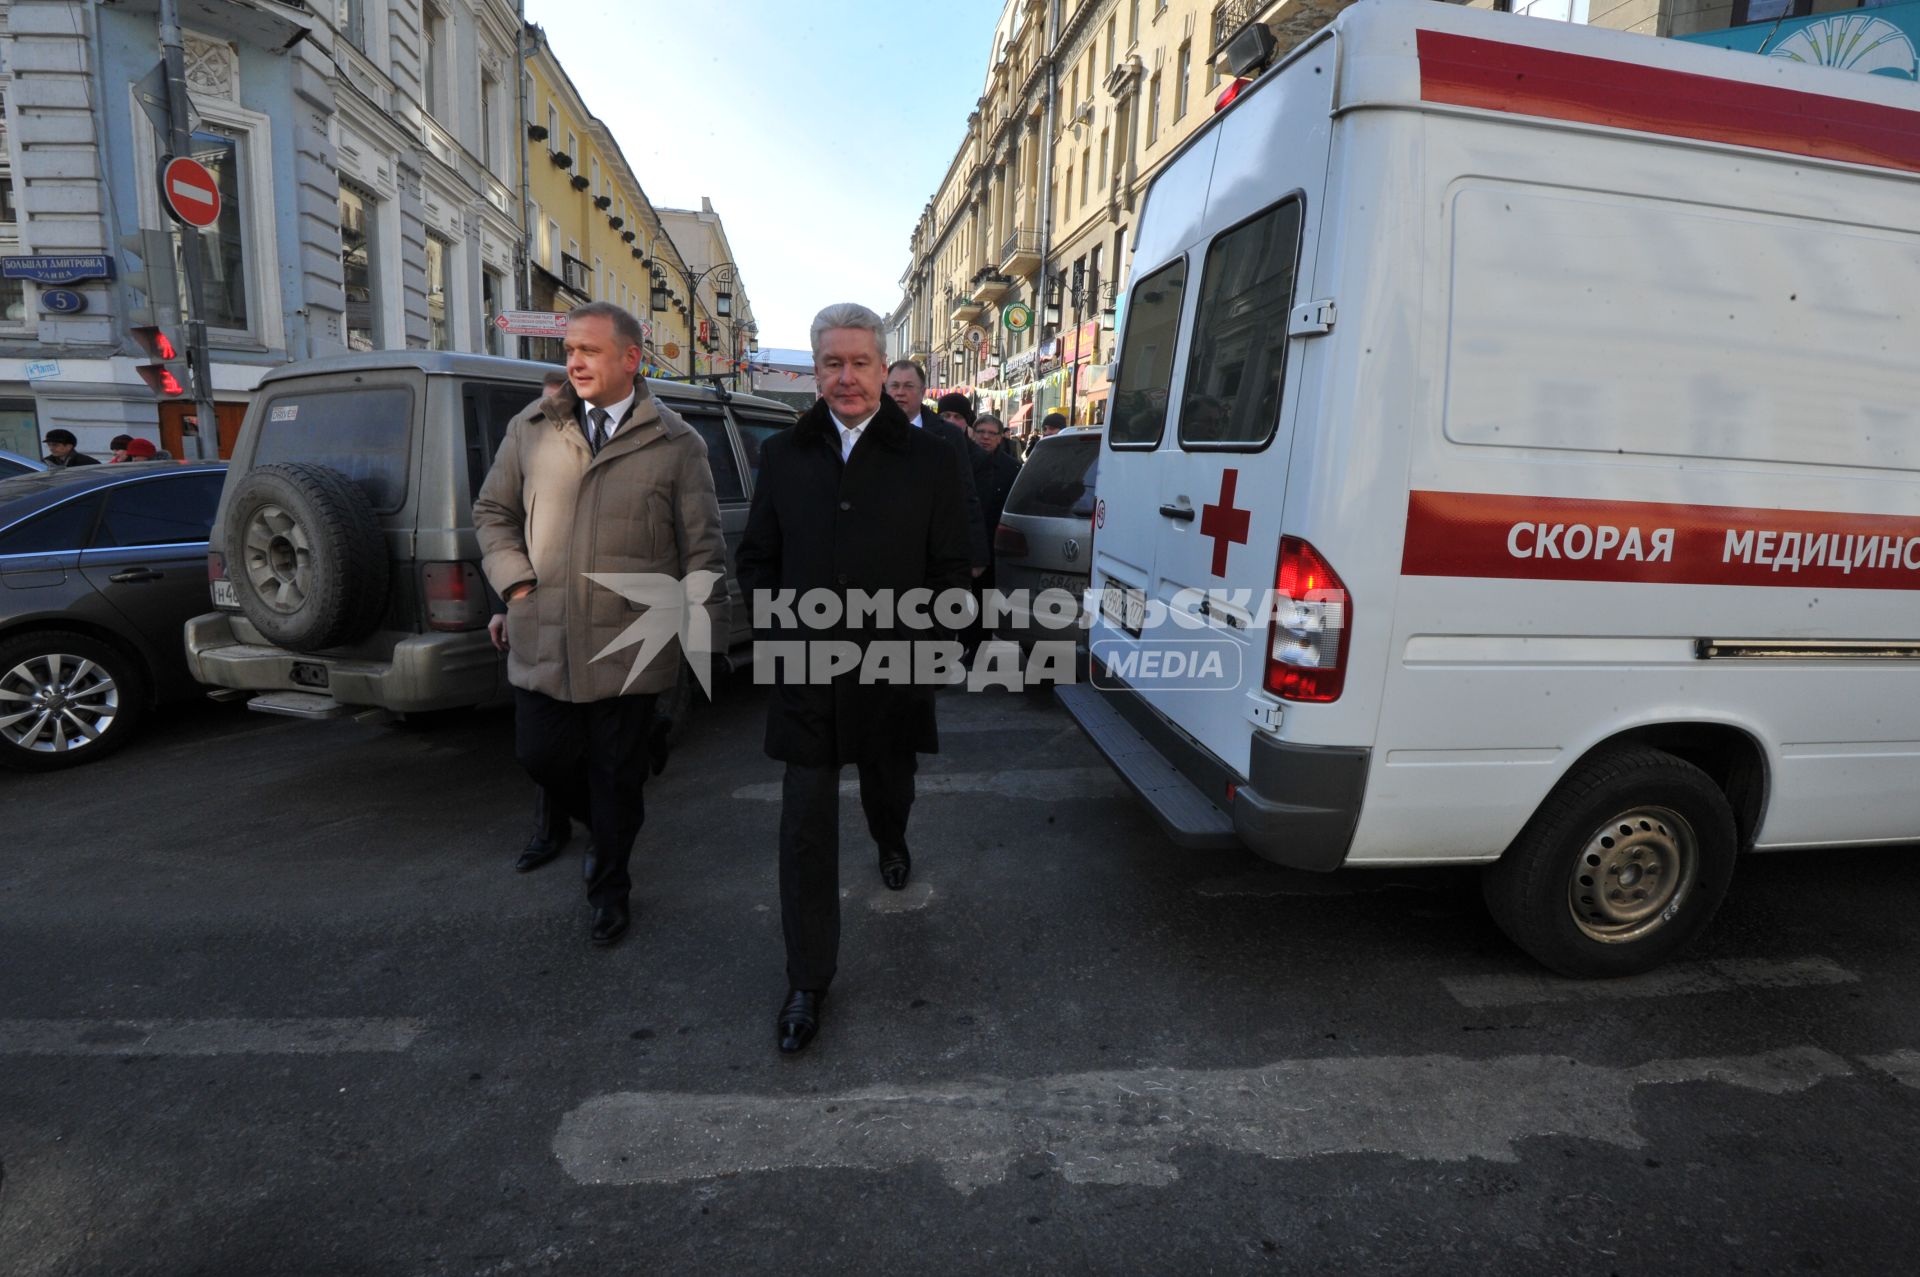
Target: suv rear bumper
column 1298, row 808
column 426, row 671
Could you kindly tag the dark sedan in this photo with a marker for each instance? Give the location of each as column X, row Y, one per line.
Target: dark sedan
column 100, row 570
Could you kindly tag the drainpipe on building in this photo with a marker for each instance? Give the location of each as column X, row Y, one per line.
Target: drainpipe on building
column 520, row 250
column 1046, row 209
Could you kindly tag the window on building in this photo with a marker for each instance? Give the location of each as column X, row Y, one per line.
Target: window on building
column 223, row 245
column 1239, row 360
column 553, row 125
column 1185, row 83
column 573, row 149
column 1103, row 159
column 552, row 253
column 1073, row 89
column 1153, row 108
column 1086, row 173
column 1146, row 359
column 9, row 214
column 439, row 290
column 488, row 91
column 353, row 23
column 1120, row 258
column 1066, row 201
column 594, row 189
column 357, row 269
column 433, row 53
column 493, row 291
column 1113, row 49
column 1133, row 22
column 536, row 245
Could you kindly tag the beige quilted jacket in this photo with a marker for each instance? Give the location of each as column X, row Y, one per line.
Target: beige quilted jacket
column 551, row 512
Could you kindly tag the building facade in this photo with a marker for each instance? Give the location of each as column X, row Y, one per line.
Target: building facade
column 592, row 233
column 365, row 154
column 726, row 336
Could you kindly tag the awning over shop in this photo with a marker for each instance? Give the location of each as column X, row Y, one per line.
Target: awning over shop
column 1021, row 418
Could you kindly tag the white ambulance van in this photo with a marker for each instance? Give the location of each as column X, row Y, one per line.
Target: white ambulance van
column 1515, row 458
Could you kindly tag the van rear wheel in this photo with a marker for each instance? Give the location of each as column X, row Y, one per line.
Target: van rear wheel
column 1622, row 866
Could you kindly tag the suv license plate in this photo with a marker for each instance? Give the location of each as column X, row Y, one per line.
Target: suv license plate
column 223, row 595
column 307, row 674
column 1125, row 607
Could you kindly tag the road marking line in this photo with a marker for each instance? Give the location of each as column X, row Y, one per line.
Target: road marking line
column 1054, row 783
column 205, row 1037
column 1903, row 1066
column 1666, row 982
column 1124, row 1127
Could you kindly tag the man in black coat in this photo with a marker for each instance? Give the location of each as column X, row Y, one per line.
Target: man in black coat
column 906, row 384
column 852, row 498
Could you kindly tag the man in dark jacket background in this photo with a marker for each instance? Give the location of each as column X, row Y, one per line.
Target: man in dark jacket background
column 852, row 497
column 906, row 386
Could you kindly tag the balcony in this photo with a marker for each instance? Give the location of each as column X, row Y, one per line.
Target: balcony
column 962, row 309
column 575, row 275
column 1229, row 17
column 989, row 286
column 1021, row 256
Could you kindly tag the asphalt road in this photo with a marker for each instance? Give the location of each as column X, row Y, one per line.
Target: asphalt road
column 272, row 1001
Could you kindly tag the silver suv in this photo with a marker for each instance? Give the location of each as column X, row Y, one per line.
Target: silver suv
column 343, row 563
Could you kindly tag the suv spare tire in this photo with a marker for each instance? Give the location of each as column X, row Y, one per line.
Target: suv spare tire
column 306, row 556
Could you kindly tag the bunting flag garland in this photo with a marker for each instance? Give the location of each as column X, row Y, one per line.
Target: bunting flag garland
column 659, row 373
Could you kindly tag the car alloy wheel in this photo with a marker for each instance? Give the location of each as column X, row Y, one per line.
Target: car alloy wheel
column 57, row 703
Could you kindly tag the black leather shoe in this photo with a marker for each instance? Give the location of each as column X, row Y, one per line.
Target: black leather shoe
column 540, row 849
column 609, row 924
column 799, row 1019
column 659, row 744
column 895, row 865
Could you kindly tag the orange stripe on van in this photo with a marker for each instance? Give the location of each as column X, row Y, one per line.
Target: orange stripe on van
column 1497, row 76
column 1499, row 535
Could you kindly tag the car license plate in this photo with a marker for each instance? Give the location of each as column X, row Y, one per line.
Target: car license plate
column 1067, row 581
column 223, row 595
column 1125, row 607
column 307, row 674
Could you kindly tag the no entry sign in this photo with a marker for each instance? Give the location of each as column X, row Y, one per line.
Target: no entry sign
column 188, row 190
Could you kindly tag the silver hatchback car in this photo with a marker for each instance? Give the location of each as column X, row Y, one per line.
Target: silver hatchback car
column 1045, row 537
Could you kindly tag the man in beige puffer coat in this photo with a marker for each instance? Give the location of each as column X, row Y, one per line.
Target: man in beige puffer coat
column 597, row 478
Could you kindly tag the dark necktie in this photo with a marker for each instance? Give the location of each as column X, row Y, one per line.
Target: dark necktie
column 598, row 416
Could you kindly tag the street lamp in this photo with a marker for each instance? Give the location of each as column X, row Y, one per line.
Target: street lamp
column 724, row 275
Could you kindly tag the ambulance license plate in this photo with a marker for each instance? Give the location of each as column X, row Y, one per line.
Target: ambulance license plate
column 1125, row 607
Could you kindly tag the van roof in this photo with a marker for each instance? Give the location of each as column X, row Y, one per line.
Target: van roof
column 1449, row 58
column 449, row 363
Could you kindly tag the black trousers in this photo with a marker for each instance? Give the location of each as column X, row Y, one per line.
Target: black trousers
column 810, row 854
column 591, row 758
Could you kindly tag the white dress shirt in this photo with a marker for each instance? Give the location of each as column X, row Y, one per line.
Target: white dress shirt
column 616, row 414
column 849, row 435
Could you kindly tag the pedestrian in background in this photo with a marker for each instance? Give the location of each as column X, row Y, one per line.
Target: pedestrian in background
column 1053, row 424
column 60, row 451
column 907, row 387
column 851, row 497
column 596, row 478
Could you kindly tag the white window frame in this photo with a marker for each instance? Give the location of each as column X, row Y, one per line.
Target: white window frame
column 259, row 241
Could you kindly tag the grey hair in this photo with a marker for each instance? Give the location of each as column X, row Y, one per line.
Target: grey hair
column 849, row 315
column 623, row 321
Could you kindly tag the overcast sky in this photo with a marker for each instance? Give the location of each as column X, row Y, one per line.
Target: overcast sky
column 819, row 131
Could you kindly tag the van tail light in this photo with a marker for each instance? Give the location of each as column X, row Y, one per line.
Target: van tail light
column 456, row 596
column 1307, row 659
column 1232, row 91
column 216, row 566
column 1010, row 541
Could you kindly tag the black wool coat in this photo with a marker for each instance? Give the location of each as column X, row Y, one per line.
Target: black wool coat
column 977, row 471
column 891, row 517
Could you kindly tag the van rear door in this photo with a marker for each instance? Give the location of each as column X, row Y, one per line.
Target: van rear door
column 1203, row 508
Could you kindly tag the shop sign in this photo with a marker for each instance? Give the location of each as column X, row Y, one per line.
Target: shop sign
column 1016, row 318
column 43, row 370
column 1020, row 368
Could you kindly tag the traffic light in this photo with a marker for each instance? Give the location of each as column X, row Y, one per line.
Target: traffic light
column 163, row 366
column 160, row 372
